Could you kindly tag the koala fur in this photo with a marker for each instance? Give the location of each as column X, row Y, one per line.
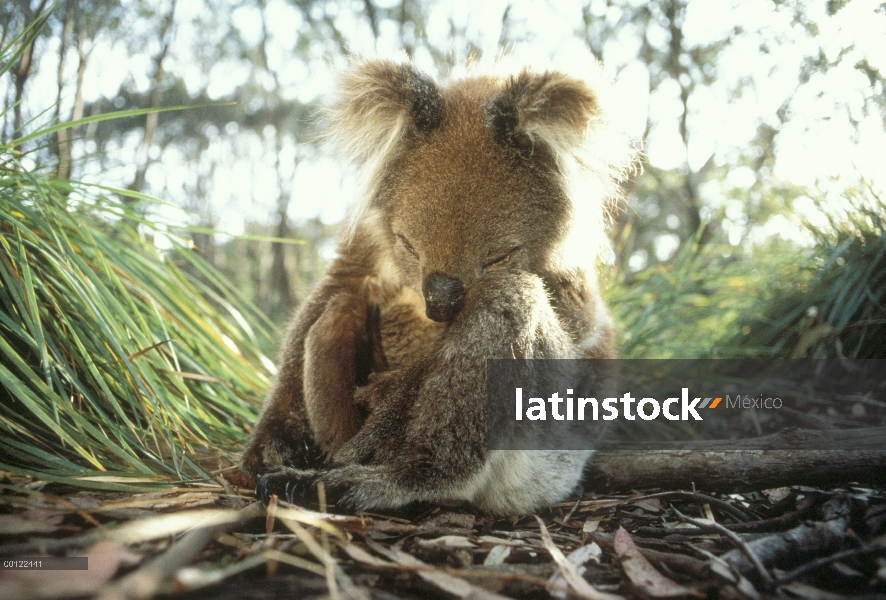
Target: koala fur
column 477, row 238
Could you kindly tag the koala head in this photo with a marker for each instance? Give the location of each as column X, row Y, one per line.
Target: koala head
column 476, row 175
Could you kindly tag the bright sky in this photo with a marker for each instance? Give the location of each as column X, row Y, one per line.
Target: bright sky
column 817, row 144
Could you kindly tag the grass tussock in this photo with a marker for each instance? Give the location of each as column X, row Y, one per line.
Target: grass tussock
column 775, row 300
column 690, row 306
column 119, row 363
column 842, row 311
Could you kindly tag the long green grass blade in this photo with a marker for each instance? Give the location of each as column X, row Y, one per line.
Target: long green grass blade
column 135, row 112
column 115, row 357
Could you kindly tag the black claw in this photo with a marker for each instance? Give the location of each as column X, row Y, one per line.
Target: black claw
column 289, row 485
column 259, row 490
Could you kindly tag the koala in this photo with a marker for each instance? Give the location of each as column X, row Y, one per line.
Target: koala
column 477, row 238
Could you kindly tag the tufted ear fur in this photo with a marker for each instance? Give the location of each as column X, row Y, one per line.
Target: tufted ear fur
column 378, row 104
column 568, row 117
column 551, row 108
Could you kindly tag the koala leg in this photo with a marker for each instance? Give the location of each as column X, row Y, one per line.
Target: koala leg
column 427, row 439
column 338, row 357
column 323, row 358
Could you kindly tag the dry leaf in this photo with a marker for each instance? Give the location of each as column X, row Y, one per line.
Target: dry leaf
column 362, row 556
column 708, row 513
column 642, row 574
column 497, row 555
column 776, row 495
column 491, row 540
column 578, row 583
column 652, row 505
column 446, row 541
column 591, row 525
column 578, row 557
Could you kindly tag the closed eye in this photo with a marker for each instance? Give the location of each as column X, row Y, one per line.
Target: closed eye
column 407, row 245
column 500, row 260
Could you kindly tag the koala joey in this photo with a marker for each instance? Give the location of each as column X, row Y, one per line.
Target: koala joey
column 478, row 238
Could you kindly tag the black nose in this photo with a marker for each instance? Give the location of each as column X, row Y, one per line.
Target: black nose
column 443, row 296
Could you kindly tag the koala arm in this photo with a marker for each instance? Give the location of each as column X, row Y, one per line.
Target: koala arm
column 577, row 302
column 338, row 357
column 282, row 435
column 426, row 437
column 327, row 351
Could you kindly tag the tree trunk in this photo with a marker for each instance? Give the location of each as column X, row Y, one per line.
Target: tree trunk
column 63, row 136
column 22, row 71
column 138, row 183
column 280, row 278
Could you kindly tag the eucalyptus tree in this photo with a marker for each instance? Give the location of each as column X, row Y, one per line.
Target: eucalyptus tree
column 724, row 68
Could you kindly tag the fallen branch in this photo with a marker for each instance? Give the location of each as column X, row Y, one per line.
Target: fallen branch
column 779, row 522
column 747, row 552
column 793, row 457
column 811, row 538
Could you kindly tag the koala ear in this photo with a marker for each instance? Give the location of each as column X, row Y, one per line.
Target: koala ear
column 550, row 107
column 380, row 102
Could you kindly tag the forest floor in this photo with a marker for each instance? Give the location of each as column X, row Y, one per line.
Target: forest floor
column 216, row 542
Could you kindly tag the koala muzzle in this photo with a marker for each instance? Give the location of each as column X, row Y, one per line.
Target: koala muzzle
column 443, row 296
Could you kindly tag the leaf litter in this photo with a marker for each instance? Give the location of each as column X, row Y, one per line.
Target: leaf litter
column 218, row 543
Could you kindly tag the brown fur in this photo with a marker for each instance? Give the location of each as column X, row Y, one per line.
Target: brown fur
column 470, row 219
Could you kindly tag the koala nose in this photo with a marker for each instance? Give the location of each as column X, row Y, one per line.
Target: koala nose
column 443, row 296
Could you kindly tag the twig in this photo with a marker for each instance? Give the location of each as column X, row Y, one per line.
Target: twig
column 130, row 532
column 337, row 580
column 739, row 512
column 825, row 560
column 739, row 543
column 572, row 511
column 523, row 535
column 810, row 538
column 235, row 498
column 784, row 520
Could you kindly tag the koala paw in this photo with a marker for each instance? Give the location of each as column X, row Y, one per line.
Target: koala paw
column 291, row 485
